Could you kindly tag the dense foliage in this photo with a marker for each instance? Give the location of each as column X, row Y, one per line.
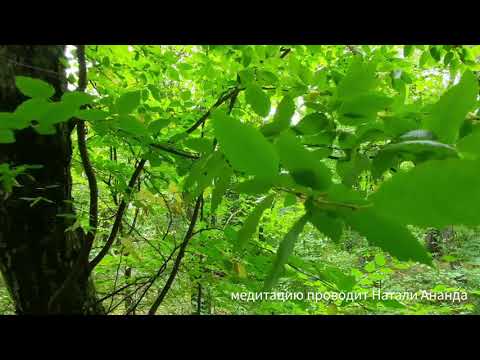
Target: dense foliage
column 250, row 169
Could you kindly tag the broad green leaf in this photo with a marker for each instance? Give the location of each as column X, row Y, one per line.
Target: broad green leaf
column 370, row 267
column 253, row 186
column 34, row 88
column 349, row 171
column 77, row 98
column 92, row 115
column 282, row 118
column 156, row 126
column 202, row 145
column 407, row 50
column 221, row 184
column 448, row 114
column 30, row 110
column 9, row 121
column 266, row 78
column 387, row 234
column 470, row 144
column 203, row 173
column 57, row 112
column 304, row 166
column 360, row 78
column 437, row 193
column 128, row 102
column 380, row 260
column 45, row 129
column 245, row 147
column 339, row 193
column 422, row 150
column 313, row 124
column 251, row 223
column 132, row 125
column 362, row 108
column 246, row 77
column 283, row 253
column 322, row 138
column 435, row 53
column 418, row 134
column 6, row 136
column 326, row 224
column 383, row 161
column 290, row 199
column 258, row 99
column 336, row 276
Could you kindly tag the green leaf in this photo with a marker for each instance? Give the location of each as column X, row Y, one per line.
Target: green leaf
column 437, row 193
column 254, row 186
column 470, row 144
column 10, row 121
column 326, row 224
column 45, row 129
column 360, row 78
column 290, row 199
column 251, row 223
column 362, row 108
column 407, row 50
column 387, row 234
column 383, row 161
column 312, row 124
column 128, row 102
column 349, row 171
column 282, row 118
column 156, row 126
column 435, row 53
column 57, row 112
column 370, row 267
column 92, row 115
column 448, row 114
column 30, row 110
column 201, row 145
column 423, row 150
column 245, row 147
column 221, row 184
column 203, row 173
column 246, row 77
column 6, row 136
column 266, row 78
column 380, row 260
column 34, row 88
column 424, row 59
column 304, row 166
column 418, row 134
column 283, row 253
column 258, row 99
column 132, row 125
column 341, row 194
column 77, row 98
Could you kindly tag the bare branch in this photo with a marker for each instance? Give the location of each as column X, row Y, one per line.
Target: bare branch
column 118, row 217
column 178, row 260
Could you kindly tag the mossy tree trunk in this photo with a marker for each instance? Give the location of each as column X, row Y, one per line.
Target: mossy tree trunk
column 37, row 251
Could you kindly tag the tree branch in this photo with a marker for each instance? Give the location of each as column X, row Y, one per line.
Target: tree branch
column 175, row 151
column 82, row 148
column 224, row 97
column 118, row 217
column 82, row 259
column 285, row 52
column 178, row 260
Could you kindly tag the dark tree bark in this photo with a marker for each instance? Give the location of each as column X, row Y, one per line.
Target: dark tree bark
column 37, row 252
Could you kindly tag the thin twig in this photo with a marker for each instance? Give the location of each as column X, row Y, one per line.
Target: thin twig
column 178, row 260
column 118, row 217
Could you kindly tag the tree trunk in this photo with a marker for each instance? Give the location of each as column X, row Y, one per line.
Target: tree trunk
column 37, row 251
